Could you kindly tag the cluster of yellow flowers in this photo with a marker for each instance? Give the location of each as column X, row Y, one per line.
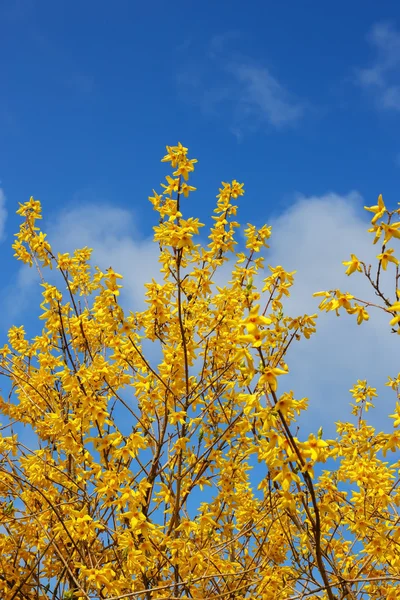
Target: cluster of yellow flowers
column 142, row 483
column 334, row 300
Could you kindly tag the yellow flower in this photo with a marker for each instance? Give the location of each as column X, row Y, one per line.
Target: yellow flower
column 184, row 168
column 362, row 314
column 185, row 189
column 177, row 417
column 175, row 154
column 269, row 376
column 396, row 416
column 255, row 319
column 173, row 185
column 391, row 230
column 396, row 308
column 315, row 447
column 236, row 189
column 378, row 232
column 353, row 265
column 31, row 208
column 100, row 577
column 284, row 404
column 386, row 257
column 378, row 210
column 341, row 301
column 111, row 281
column 254, row 337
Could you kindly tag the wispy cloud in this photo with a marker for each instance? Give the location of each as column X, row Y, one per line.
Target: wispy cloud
column 382, row 76
column 263, row 97
column 229, row 84
column 3, row 213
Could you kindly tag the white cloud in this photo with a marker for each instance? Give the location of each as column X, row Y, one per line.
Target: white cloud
column 313, row 237
column 382, row 77
column 111, row 232
column 234, row 86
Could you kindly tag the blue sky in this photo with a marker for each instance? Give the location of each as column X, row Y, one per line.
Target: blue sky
column 299, row 100
column 92, row 93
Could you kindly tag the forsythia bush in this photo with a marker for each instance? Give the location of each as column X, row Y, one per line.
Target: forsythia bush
column 188, row 478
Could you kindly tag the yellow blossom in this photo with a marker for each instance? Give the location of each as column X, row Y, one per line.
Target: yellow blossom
column 352, row 265
column 387, row 256
column 378, row 210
